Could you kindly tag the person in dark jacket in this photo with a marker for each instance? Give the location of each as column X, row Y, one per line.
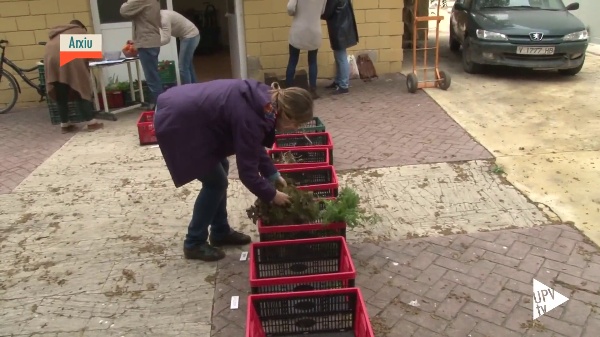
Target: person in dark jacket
column 343, row 34
column 199, row 125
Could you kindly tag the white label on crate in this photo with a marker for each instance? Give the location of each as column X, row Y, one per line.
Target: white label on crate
column 244, row 256
column 235, row 302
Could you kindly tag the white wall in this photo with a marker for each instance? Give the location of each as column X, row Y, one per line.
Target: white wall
column 114, row 39
column 588, row 13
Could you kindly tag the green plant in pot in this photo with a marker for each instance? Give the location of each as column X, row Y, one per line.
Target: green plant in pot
column 114, row 94
column 126, row 89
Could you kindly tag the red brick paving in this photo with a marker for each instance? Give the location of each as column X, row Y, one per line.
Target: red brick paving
column 466, row 285
column 27, row 139
column 380, row 124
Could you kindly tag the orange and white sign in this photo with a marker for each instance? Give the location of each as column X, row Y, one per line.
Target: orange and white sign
column 80, row 46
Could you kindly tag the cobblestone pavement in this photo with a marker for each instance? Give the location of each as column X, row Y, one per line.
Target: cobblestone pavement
column 476, row 285
column 26, row 139
column 380, row 124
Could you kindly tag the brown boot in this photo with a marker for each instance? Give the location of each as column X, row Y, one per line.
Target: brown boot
column 67, row 129
column 313, row 92
column 95, row 126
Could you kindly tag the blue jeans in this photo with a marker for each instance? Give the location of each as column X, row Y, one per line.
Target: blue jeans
column 187, row 47
column 342, row 67
column 293, row 62
column 210, row 208
column 149, row 60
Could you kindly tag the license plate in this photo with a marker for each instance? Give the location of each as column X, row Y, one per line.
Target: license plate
column 535, row 50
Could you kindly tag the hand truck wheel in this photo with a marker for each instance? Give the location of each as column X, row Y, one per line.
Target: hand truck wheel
column 412, row 83
column 444, row 80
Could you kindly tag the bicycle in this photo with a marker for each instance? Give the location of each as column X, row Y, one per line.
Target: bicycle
column 14, row 86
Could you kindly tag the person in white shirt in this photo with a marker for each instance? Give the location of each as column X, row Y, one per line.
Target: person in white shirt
column 305, row 34
column 177, row 25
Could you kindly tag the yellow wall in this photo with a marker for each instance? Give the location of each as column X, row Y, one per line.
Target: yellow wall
column 267, row 24
column 25, row 23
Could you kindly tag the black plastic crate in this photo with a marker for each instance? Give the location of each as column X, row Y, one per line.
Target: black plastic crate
column 312, row 176
column 315, row 125
column 308, row 140
column 301, row 140
column 303, row 233
column 301, row 158
column 325, row 313
column 322, row 181
column 301, row 265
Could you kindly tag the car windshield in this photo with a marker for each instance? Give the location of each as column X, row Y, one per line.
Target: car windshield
column 520, row 4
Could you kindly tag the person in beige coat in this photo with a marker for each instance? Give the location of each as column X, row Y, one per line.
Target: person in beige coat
column 69, row 83
column 145, row 17
column 177, row 25
column 305, row 34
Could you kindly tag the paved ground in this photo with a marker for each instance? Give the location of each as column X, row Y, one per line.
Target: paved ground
column 91, row 241
column 543, row 128
column 391, row 127
column 27, row 139
column 473, row 285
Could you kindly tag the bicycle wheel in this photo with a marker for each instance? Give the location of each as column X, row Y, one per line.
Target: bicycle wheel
column 8, row 92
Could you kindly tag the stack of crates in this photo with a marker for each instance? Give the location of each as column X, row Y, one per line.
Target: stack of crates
column 168, row 75
column 302, row 276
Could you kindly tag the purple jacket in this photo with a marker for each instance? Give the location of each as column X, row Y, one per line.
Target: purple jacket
column 198, row 125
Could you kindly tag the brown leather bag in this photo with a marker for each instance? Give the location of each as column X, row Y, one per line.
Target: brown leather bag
column 366, row 69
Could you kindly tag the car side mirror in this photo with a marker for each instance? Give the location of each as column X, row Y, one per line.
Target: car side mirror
column 459, row 6
column 574, row 6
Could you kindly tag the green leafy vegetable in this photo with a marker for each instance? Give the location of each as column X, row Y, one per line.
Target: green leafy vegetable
column 345, row 208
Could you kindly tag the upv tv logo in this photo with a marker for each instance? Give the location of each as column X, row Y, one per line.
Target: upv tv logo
column 80, row 46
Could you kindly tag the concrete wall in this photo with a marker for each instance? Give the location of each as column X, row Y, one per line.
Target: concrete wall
column 25, row 23
column 267, row 25
column 588, row 12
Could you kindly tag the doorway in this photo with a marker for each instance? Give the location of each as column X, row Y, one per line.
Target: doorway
column 217, row 55
column 116, row 31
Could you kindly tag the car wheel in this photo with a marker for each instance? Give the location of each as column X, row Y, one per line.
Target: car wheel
column 412, row 83
column 454, row 44
column 571, row 71
column 444, row 81
column 469, row 66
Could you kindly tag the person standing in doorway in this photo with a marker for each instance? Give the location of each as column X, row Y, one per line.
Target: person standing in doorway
column 343, row 34
column 177, row 25
column 145, row 16
column 305, row 34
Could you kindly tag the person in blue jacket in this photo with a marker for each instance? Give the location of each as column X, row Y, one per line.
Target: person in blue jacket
column 199, row 125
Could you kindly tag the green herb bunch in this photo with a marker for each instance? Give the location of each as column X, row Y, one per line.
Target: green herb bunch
column 345, row 208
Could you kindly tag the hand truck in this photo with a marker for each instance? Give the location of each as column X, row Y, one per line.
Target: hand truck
column 442, row 79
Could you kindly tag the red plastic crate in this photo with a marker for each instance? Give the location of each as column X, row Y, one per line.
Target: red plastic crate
column 274, row 232
column 301, row 265
column 295, row 232
column 318, row 140
column 335, row 313
column 116, row 99
column 323, row 181
column 307, row 157
column 146, row 130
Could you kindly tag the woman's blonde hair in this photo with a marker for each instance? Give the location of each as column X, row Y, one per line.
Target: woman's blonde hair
column 295, row 103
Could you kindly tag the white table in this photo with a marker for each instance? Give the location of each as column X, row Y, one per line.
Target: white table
column 111, row 114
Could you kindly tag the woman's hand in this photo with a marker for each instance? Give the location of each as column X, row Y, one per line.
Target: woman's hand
column 281, row 199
